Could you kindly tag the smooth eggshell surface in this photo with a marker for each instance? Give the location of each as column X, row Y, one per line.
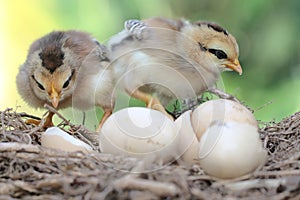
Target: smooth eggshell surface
column 220, row 110
column 139, row 132
column 230, row 150
column 188, row 142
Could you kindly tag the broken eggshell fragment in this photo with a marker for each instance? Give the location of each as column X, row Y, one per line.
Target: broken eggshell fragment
column 56, row 138
column 231, row 146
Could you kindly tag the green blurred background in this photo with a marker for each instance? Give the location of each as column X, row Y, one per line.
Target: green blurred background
column 267, row 33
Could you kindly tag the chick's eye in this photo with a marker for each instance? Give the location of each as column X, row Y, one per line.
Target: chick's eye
column 38, row 84
column 219, row 53
column 62, row 55
column 66, row 84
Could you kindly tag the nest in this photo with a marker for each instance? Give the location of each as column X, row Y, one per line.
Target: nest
column 29, row 171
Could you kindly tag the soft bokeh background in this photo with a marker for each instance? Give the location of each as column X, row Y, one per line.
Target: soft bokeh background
column 267, row 33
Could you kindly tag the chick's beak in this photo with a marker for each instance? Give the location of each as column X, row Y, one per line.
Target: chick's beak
column 235, row 66
column 54, row 96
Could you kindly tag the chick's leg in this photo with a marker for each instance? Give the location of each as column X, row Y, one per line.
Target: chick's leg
column 33, row 121
column 107, row 113
column 151, row 102
column 47, row 122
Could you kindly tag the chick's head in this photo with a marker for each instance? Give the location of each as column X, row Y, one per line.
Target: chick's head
column 52, row 68
column 219, row 45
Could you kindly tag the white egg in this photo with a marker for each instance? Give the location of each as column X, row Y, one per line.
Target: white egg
column 56, row 138
column 139, row 132
column 221, row 110
column 188, row 147
column 230, row 150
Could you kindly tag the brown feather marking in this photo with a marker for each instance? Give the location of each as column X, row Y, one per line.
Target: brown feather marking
column 52, row 57
column 212, row 25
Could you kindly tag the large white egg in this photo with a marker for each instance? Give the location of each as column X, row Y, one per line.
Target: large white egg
column 230, row 150
column 188, row 147
column 221, row 110
column 139, row 132
column 56, row 138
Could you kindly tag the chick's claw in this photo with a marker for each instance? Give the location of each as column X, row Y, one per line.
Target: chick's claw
column 135, row 28
column 156, row 105
column 45, row 123
column 105, row 116
column 151, row 102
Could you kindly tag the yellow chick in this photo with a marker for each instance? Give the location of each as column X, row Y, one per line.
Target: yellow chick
column 66, row 68
column 158, row 59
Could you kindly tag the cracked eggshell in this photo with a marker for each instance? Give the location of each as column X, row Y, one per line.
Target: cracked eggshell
column 229, row 150
column 222, row 110
column 188, row 142
column 139, row 132
column 56, row 138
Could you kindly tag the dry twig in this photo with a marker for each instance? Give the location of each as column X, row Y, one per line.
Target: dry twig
column 29, row 171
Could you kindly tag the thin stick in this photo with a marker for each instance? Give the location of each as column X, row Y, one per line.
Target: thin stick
column 249, row 184
column 29, row 116
column 224, row 95
column 277, row 173
column 87, row 139
column 83, row 118
column 263, row 106
column 51, row 109
column 158, row 188
column 2, row 122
